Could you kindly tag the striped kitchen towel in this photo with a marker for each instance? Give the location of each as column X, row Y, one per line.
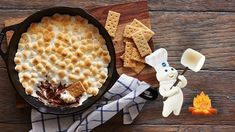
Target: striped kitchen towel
column 122, row 96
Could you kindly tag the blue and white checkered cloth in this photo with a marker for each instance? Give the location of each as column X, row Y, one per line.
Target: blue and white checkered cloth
column 122, row 96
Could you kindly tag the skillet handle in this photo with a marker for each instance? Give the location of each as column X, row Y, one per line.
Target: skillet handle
column 2, row 35
column 150, row 94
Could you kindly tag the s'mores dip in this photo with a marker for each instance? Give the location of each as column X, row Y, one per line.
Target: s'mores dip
column 62, row 60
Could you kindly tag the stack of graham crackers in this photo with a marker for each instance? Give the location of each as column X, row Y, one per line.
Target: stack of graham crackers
column 135, row 37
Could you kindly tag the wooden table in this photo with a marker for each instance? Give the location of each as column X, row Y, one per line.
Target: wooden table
column 206, row 26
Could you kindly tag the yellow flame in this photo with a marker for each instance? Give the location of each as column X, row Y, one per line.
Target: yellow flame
column 202, row 105
column 202, row 102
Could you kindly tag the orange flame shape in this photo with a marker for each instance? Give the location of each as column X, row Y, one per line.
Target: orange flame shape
column 202, row 105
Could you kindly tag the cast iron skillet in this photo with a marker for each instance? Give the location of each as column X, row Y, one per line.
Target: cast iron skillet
column 22, row 27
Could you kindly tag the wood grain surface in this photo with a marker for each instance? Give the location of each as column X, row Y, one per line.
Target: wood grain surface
column 207, row 26
column 159, row 5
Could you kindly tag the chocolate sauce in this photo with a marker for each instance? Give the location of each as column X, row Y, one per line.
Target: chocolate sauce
column 51, row 93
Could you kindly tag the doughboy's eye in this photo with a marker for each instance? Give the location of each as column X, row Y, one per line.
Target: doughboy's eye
column 164, row 64
column 166, row 70
column 172, row 69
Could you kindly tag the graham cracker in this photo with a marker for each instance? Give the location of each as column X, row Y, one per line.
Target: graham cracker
column 141, row 44
column 129, row 30
column 112, row 23
column 128, row 53
column 139, row 67
column 127, row 40
column 136, row 56
column 148, row 34
column 138, row 24
column 76, row 89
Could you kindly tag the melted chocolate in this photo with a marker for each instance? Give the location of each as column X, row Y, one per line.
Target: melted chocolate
column 51, row 93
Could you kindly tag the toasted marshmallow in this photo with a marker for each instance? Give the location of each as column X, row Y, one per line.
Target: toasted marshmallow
column 67, row 97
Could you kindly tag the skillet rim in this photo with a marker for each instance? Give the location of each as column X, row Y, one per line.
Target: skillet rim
column 13, row 46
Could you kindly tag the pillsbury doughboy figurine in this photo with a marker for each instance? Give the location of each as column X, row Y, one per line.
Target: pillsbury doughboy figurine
column 167, row 76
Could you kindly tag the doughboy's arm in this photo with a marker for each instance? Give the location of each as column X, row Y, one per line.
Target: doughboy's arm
column 183, row 81
column 168, row 93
